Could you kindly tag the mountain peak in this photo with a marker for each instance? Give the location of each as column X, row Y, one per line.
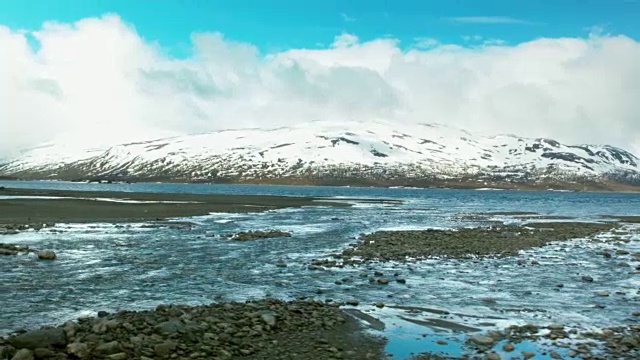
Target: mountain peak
column 367, row 152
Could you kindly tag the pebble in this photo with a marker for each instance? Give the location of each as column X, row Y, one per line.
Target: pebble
column 482, row 340
column 587, row 278
column 46, row 255
column 118, row 356
column 23, row 354
column 79, row 350
column 508, row 347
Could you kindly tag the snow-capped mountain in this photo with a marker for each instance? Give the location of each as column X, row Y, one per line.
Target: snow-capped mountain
column 327, row 153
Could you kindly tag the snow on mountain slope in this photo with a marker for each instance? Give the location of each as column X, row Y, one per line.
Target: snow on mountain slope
column 320, row 149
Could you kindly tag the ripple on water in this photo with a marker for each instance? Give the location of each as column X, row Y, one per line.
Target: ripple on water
column 105, row 266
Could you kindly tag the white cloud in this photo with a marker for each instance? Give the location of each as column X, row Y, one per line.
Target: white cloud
column 97, row 81
column 425, row 43
column 347, row 18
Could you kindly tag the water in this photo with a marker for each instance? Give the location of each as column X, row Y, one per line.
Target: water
column 109, row 267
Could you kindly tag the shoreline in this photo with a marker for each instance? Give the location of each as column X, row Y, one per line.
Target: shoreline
column 38, row 206
column 455, row 184
column 259, row 329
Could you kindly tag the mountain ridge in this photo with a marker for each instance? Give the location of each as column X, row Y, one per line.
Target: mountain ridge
column 323, row 153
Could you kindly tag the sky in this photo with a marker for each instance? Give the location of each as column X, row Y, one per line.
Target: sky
column 98, row 72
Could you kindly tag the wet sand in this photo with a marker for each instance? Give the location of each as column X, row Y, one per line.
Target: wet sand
column 85, row 206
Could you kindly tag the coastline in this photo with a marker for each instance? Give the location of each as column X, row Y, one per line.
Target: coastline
column 27, row 206
column 464, row 183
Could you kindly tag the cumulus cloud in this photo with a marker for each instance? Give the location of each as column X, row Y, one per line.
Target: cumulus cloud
column 97, row 81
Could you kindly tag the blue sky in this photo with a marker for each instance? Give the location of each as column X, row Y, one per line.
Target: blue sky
column 281, row 24
column 107, row 72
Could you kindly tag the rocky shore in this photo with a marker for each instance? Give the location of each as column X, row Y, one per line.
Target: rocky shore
column 496, row 241
column 258, row 234
column 265, row 329
column 621, row 342
column 11, row 249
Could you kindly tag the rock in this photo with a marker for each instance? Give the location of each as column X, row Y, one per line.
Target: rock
column 43, row 338
column 102, row 313
column 103, row 325
column 441, row 342
column 165, row 348
column 572, row 353
column 636, row 313
column 79, row 350
column 555, row 327
column 622, row 252
column 7, row 352
column 587, row 278
column 42, row 353
column 378, row 273
column 46, row 255
column 168, row 327
column 269, row 318
column 401, row 280
column 352, row 302
column 602, row 293
column 23, row 354
column 555, row 355
column 508, row 347
column 70, row 329
column 482, row 340
column 253, row 235
column 492, row 356
column 535, row 262
column 379, row 305
column 109, row 348
column 528, row 354
column 281, row 264
column 118, row 356
column 8, row 252
column 629, row 342
column 383, row 281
